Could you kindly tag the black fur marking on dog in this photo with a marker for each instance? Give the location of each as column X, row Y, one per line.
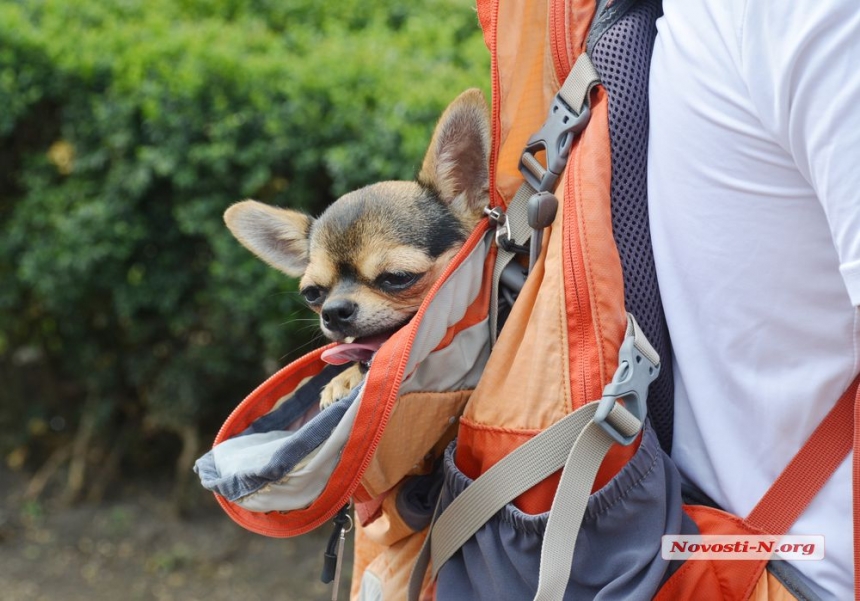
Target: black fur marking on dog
column 365, row 218
column 446, row 229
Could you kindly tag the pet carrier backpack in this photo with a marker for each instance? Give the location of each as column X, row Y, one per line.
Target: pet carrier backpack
column 508, row 418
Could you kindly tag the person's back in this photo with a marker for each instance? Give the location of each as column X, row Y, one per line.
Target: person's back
column 754, row 189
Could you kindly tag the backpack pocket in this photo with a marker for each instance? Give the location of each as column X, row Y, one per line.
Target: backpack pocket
column 617, row 549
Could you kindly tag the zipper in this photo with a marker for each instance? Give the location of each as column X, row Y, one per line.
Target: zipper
column 558, row 35
column 496, row 199
column 578, row 288
column 579, row 284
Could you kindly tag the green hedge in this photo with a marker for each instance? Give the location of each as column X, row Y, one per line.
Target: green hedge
column 127, row 127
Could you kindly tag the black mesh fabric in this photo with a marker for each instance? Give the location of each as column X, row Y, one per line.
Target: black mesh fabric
column 622, row 57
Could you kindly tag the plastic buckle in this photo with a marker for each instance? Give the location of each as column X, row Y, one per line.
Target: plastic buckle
column 556, row 137
column 630, row 386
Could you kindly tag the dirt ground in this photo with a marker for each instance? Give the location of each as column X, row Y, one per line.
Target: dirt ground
column 133, row 548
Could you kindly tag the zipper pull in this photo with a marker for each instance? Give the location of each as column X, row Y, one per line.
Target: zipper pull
column 339, row 564
column 333, row 556
column 540, row 213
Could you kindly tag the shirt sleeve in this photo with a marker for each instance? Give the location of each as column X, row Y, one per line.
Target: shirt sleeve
column 801, row 63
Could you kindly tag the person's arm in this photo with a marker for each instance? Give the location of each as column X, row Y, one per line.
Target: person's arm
column 801, row 62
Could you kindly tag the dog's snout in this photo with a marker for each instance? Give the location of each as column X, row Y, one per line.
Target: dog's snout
column 337, row 314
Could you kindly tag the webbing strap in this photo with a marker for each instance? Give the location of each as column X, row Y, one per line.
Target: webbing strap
column 518, row 471
column 570, row 502
column 856, row 495
column 578, row 443
column 640, row 341
column 579, row 83
column 809, row 470
column 422, row 562
column 519, row 230
column 575, row 92
column 574, row 440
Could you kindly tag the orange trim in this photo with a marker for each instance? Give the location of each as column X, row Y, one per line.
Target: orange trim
column 480, row 307
column 488, row 17
column 809, row 470
column 593, row 280
column 580, row 14
column 855, row 498
column 557, row 31
column 487, row 445
column 778, row 509
column 726, row 580
column 594, row 284
column 263, row 398
column 569, row 24
column 486, row 10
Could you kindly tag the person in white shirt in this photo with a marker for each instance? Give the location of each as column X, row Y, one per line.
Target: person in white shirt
column 754, row 192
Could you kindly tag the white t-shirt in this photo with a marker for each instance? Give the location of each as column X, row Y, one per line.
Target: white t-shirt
column 754, row 185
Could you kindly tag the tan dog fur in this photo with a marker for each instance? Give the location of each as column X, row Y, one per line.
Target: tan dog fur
column 367, row 262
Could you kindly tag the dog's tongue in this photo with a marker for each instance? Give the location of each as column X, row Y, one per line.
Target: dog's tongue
column 361, row 349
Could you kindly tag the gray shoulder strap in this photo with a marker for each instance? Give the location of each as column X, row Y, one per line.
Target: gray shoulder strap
column 606, row 15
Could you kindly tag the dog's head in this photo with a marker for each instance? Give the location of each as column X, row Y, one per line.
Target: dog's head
column 368, row 261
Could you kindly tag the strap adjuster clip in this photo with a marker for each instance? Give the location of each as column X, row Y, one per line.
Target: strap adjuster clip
column 636, row 370
column 556, row 138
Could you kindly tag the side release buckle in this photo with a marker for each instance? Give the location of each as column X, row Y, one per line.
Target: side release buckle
column 555, row 137
column 638, row 366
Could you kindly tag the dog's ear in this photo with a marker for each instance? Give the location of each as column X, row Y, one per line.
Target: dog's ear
column 457, row 163
column 278, row 236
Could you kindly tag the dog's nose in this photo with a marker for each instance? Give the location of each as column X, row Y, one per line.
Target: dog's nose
column 337, row 314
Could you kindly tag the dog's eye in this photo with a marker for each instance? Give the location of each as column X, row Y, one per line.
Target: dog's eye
column 397, row 280
column 312, row 294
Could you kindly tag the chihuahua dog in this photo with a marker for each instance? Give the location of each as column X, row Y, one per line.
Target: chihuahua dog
column 367, row 262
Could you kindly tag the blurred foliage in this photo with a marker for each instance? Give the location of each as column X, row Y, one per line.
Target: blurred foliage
column 126, row 128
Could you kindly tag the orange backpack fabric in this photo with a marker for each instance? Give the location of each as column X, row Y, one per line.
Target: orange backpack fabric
column 560, row 344
column 557, row 351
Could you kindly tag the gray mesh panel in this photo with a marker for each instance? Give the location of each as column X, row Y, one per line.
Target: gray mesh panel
column 622, row 57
